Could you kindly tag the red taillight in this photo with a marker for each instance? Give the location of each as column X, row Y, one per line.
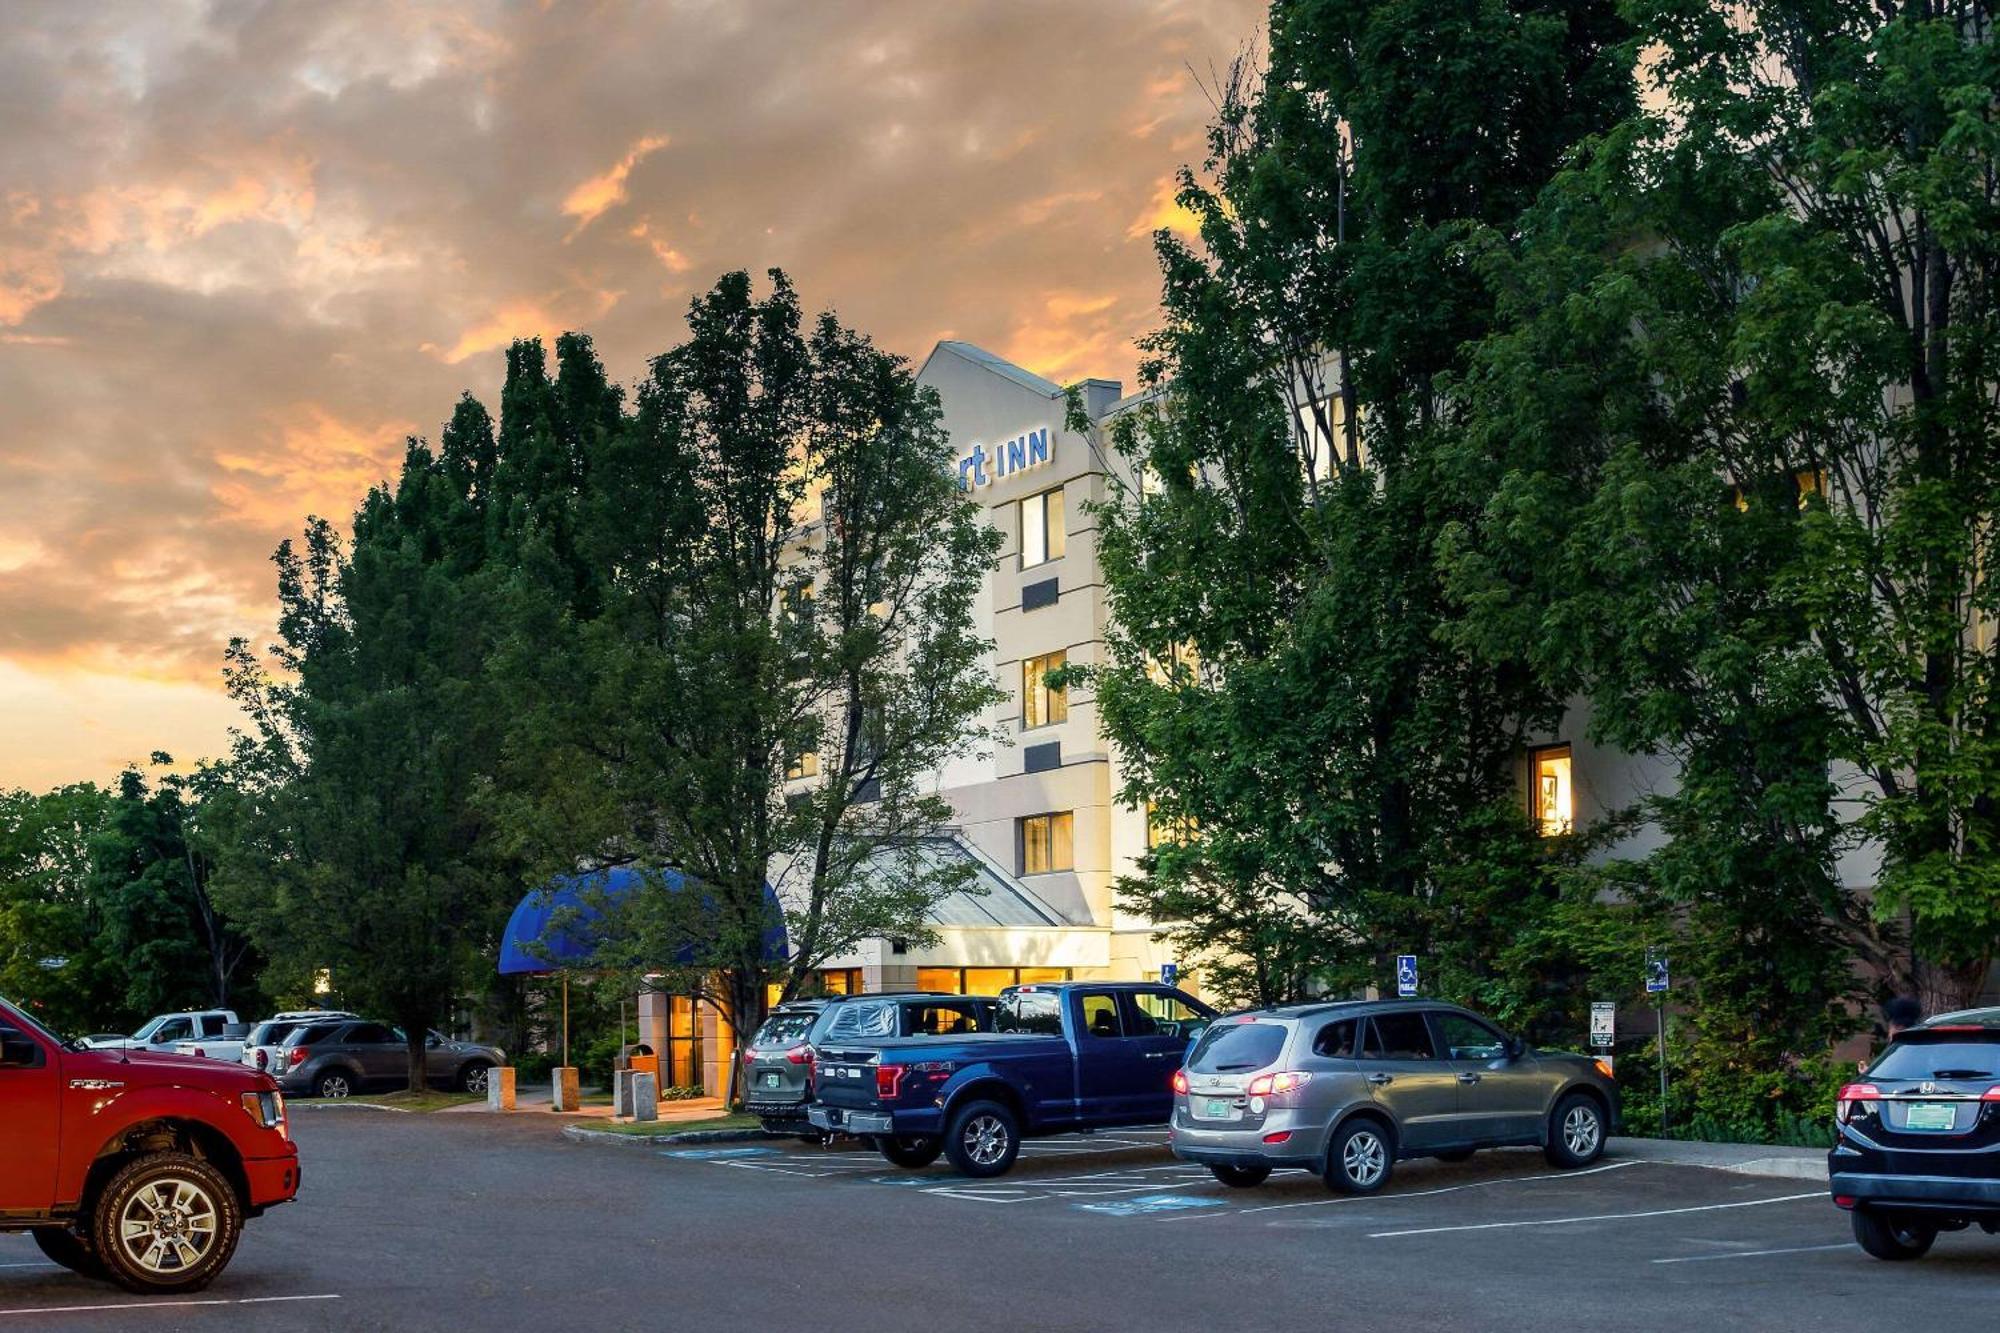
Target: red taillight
column 1180, row 1081
column 888, row 1081
column 1276, row 1085
column 1278, row 1137
column 263, row 1058
column 799, row 1055
column 1992, row 1094
column 299, row 1054
column 1843, row 1200
column 1851, row 1096
column 749, row 1057
column 199, row 1051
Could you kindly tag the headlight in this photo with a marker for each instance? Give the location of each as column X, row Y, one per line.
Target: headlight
column 267, row 1109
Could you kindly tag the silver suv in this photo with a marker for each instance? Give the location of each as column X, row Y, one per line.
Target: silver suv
column 338, row 1059
column 1347, row 1090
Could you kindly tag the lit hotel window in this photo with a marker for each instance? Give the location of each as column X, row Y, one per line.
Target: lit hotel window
column 805, row 766
column 1551, row 791
column 1042, row 528
column 1045, row 843
column 1041, row 705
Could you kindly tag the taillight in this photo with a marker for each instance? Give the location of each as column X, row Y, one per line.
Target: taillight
column 263, row 1058
column 888, row 1081
column 799, row 1055
column 1851, row 1097
column 199, row 1051
column 1180, row 1081
column 749, row 1057
column 1281, row 1136
column 299, row 1054
column 1273, row 1085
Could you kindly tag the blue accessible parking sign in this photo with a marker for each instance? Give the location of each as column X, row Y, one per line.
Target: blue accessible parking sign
column 1406, row 974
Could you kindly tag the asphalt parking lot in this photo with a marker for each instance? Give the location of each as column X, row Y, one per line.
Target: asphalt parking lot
column 414, row 1222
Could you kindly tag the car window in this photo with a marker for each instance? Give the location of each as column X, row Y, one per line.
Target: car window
column 1468, row 1039
column 1337, row 1040
column 940, row 1019
column 1238, row 1047
column 308, row 1036
column 867, row 1019
column 1398, row 1037
column 367, row 1034
column 1938, row 1055
column 1039, row 1012
column 1165, row 1015
column 174, row 1029
column 212, row 1025
column 784, row 1030
column 1100, row 1015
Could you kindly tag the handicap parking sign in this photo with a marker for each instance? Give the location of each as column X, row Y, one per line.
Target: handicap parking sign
column 1170, row 974
column 1657, row 979
column 1406, row 974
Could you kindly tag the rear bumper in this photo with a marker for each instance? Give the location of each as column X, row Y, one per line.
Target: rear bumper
column 1221, row 1144
column 844, row 1121
column 1955, row 1194
column 272, row 1180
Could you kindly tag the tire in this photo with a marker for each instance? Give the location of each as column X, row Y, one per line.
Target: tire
column 165, row 1223
column 71, row 1250
column 474, row 1077
column 1891, row 1237
column 334, row 1084
column 1360, row 1158
column 909, row 1151
column 983, row 1140
column 1576, row 1132
column 1457, row 1155
column 1240, row 1177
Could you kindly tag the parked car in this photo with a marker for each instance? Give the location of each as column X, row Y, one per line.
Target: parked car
column 134, row 1166
column 1348, row 1089
column 163, row 1032
column 340, row 1058
column 1916, row 1141
column 1063, row 1057
column 226, row 1045
column 778, row 1063
column 261, row 1046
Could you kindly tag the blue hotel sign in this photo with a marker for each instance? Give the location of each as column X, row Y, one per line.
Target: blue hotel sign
column 982, row 467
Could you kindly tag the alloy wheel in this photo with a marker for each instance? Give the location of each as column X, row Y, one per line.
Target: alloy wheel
column 169, row 1226
column 475, row 1079
column 1364, row 1159
column 1581, row 1131
column 985, row 1139
column 333, row 1085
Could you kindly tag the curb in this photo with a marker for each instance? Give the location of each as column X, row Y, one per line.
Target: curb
column 346, row 1106
column 579, row 1134
column 1783, row 1168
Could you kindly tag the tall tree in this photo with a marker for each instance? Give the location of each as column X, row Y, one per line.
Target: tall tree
column 52, row 954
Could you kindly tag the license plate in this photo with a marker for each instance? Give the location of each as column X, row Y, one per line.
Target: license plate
column 772, row 1080
column 1931, row 1115
column 1218, row 1108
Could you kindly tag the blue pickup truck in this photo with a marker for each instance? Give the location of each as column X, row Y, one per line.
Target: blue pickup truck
column 1074, row 1056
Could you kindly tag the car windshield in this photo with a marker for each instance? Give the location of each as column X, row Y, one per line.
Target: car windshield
column 783, row 1030
column 1238, row 1047
column 1940, row 1055
column 152, row 1026
column 14, row 1011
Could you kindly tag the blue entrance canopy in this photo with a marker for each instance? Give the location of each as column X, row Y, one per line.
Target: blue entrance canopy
column 559, row 926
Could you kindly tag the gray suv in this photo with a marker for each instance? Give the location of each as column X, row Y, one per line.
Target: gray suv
column 1346, row 1090
column 337, row 1059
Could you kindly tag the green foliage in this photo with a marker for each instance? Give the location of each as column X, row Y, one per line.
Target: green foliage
column 52, row 958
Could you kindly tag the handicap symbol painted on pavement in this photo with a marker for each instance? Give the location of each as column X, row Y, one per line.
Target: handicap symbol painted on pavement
column 1148, row 1203
column 703, row 1154
column 905, row 1180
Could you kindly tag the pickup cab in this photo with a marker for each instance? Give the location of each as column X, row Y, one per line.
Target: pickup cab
column 225, row 1045
column 131, row 1165
column 164, row 1032
column 1061, row 1058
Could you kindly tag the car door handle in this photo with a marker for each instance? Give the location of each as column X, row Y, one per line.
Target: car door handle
column 1381, row 1080
column 1468, row 1078
column 1160, row 1055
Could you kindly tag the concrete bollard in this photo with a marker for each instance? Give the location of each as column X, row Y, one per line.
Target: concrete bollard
column 500, row 1089
column 645, row 1096
column 564, row 1084
column 621, row 1092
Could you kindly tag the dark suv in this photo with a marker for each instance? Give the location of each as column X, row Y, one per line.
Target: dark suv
column 778, row 1064
column 1917, row 1147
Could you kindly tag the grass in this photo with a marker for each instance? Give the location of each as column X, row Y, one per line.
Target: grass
column 424, row 1101
column 655, row 1128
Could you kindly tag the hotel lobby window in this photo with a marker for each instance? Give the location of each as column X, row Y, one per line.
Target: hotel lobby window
column 1549, row 790
column 1042, row 537
column 1045, row 843
column 985, row 980
column 1042, row 706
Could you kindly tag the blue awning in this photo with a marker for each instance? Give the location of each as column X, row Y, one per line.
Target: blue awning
column 536, row 941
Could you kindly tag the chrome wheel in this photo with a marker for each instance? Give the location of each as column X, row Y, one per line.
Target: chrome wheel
column 475, row 1079
column 334, row 1085
column 1365, row 1159
column 1582, row 1131
column 985, row 1139
column 169, row 1226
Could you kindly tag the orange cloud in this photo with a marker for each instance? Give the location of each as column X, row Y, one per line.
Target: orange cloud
column 525, row 318
column 675, row 261
column 1075, row 334
column 593, row 196
column 313, row 463
column 1164, row 213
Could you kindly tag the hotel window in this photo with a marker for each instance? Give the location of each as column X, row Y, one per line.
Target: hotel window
column 841, row 980
column 1045, row 843
column 1549, row 792
column 1042, row 705
column 985, row 980
column 805, row 766
column 1161, row 830
column 1042, row 535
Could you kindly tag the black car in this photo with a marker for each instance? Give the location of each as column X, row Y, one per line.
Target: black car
column 1917, row 1147
column 778, row 1063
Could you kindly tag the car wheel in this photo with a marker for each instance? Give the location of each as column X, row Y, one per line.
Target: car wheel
column 983, row 1140
column 71, row 1250
column 166, row 1222
column 1359, row 1160
column 474, row 1077
column 1240, row 1177
column 910, row 1151
column 1892, row 1237
column 1457, row 1155
column 333, row 1084
column 1576, row 1132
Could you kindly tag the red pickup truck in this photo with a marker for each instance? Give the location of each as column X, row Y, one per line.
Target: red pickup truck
column 134, row 1166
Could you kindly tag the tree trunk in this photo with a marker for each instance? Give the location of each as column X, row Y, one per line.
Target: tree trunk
column 415, row 1035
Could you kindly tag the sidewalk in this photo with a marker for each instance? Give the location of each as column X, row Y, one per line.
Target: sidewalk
column 1748, row 1159
column 540, row 1099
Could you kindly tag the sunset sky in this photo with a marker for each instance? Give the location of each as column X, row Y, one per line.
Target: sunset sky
column 246, row 248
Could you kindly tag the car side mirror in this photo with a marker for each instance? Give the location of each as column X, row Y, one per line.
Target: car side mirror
column 1516, row 1048
column 432, row 1042
column 16, row 1051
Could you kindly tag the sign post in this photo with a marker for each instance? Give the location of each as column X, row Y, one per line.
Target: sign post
column 1657, row 982
column 1406, row 974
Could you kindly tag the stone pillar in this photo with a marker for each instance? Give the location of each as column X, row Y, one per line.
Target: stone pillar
column 645, row 1095
column 500, row 1089
column 564, row 1082
column 621, row 1092
column 653, row 1021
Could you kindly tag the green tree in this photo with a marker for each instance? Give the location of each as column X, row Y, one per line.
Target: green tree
column 1345, row 777
column 52, row 957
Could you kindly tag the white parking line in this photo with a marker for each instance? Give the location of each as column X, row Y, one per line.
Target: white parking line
column 1421, row 1194
column 1599, row 1217
column 1754, row 1254
column 163, row 1305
